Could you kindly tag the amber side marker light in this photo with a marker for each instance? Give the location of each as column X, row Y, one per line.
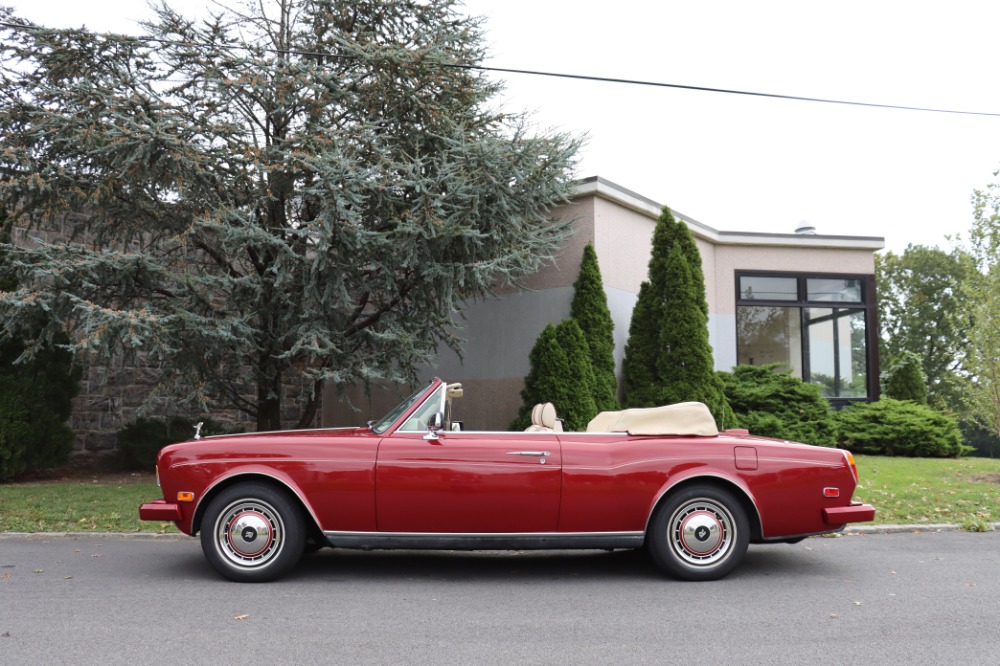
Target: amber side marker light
column 854, row 467
column 185, row 497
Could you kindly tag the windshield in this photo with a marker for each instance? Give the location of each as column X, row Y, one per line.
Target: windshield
column 422, row 418
column 380, row 426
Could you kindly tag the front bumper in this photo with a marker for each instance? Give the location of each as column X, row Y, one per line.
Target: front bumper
column 855, row 512
column 160, row 510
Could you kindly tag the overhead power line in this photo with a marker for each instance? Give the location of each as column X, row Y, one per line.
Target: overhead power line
column 726, row 91
column 563, row 75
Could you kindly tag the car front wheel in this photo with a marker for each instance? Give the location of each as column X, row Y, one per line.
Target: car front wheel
column 699, row 533
column 252, row 532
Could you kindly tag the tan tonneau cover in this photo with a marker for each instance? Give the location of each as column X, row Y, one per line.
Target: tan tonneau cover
column 685, row 418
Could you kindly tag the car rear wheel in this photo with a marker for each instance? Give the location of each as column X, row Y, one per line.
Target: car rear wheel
column 699, row 533
column 253, row 532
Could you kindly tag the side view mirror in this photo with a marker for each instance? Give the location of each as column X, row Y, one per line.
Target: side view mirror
column 434, row 427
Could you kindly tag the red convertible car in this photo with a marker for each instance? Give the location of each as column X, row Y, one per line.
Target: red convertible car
column 662, row 478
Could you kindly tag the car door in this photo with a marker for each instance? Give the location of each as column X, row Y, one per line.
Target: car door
column 468, row 483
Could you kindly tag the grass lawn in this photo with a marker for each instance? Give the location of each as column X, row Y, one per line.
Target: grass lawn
column 931, row 490
column 903, row 490
column 103, row 503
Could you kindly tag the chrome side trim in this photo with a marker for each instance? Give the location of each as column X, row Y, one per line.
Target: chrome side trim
column 483, row 541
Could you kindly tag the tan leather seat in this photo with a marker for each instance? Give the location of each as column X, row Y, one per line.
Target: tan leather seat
column 543, row 419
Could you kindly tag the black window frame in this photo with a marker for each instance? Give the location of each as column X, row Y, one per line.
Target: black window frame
column 867, row 305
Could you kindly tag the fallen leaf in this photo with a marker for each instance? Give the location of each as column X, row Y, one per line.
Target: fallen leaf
column 241, row 617
column 834, row 616
column 97, row 555
column 38, row 571
column 858, row 603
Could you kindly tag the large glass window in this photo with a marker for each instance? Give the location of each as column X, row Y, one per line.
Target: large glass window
column 790, row 320
column 768, row 334
column 837, row 359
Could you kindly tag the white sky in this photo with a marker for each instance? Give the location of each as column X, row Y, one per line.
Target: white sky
column 733, row 162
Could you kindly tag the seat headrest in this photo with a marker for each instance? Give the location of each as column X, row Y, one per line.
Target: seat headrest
column 548, row 416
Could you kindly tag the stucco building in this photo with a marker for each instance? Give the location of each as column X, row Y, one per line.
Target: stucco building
column 804, row 300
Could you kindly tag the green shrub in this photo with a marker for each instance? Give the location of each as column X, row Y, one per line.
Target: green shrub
column 140, row 440
column 36, row 395
column 35, row 401
column 905, row 379
column 561, row 373
column 900, row 428
column 776, row 404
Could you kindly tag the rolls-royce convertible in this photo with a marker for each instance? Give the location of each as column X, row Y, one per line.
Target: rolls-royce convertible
column 664, row 479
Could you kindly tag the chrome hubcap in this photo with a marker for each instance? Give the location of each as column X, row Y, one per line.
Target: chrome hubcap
column 702, row 532
column 249, row 533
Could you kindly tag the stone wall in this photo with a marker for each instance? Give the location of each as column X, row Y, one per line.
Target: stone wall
column 112, row 393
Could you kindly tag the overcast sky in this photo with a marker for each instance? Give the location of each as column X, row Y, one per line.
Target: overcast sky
column 736, row 162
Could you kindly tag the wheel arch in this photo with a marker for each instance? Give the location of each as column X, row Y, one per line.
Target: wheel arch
column 738, row 490
column 268, row 477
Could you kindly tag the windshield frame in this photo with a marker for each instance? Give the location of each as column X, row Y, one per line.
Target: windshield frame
column 402, row 411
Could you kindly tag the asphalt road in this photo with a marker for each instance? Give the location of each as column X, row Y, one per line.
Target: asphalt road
column 928, row 598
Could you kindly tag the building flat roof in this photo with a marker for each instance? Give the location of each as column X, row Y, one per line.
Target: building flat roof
column 601, row 187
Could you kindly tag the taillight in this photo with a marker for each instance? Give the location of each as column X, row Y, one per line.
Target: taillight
column 854, row 467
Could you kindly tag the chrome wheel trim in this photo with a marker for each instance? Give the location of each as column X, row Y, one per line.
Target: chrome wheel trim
column 249, row 533
column 702, row 532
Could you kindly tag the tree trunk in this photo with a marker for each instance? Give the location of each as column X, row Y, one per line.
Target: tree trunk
column 269, row 390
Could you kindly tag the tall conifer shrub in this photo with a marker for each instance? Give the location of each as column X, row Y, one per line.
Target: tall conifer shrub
column 590, row 310
column 668, row 357
column 905, row 378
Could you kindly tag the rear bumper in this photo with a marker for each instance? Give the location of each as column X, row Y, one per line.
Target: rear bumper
column 856, row 512
column 160, row 510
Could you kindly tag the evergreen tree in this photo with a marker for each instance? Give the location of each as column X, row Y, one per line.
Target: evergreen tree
column 298, row 187
column 668, row 357
column 561, row 373
column 905, row 379
column 590, row 310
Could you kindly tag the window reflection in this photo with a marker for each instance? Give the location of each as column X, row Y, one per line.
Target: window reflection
column 837, row 352
column 833, row 290
column 767, row 335
column 822, row 345
column 761, row 288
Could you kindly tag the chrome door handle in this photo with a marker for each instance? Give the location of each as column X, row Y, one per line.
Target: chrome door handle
column 541, row 455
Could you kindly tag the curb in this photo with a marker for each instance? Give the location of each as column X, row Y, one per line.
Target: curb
column 903, row 529
column 176, row 536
